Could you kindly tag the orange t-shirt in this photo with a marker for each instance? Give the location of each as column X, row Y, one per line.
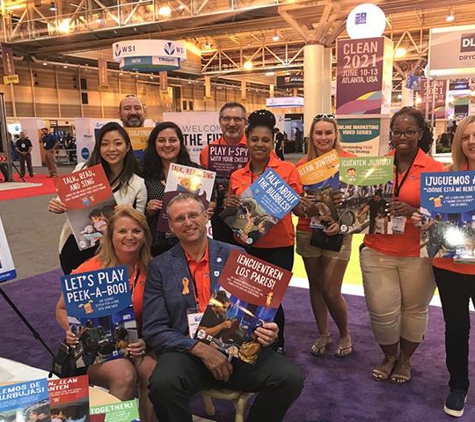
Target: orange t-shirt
column 200, row 273
column 282, row 234
column 204, row 154
column 304, row 223
column 407, row 244
column 94, row 264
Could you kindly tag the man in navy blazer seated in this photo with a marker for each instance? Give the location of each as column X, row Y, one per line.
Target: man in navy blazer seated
column 179, row 282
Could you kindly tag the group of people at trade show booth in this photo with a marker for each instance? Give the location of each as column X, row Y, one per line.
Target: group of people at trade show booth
column 398, row 283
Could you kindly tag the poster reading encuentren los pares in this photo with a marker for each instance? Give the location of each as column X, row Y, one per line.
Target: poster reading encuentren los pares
column 364, row 76
column 448, row 215
column 7, row 269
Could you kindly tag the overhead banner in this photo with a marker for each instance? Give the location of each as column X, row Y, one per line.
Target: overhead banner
column 364, row 76
column 295, row 81
column 364, row 137
column 8, row 65
column 437, row 89
column 199, row 129
column 452, row 51
column 103, row 77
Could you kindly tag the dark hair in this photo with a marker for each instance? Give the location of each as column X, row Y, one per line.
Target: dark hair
column 233, row 104
column 130, row 162
column 427, row 137
column 152, row 166
column 95, row 213
column 261, row 118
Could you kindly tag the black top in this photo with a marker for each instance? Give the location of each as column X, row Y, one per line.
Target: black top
column 23, row 145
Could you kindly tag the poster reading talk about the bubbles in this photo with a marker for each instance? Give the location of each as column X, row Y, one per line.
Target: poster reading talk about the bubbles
column 364, row 76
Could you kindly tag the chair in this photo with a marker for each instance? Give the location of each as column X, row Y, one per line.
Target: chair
column 239, row 399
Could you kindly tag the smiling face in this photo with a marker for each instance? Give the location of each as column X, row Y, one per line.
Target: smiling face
column 406, row 135
column 324, row 136
column 167, row 145
column 128, row 236
column 260, row 143
column 131, row 112
column 113, row 149
column 468, row 144
column 187, row 220
column 233, row 122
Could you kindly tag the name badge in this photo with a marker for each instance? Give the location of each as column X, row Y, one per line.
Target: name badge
column 193, row 316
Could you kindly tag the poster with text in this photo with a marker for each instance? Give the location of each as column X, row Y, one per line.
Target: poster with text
column 263, row 205
column 250, row 291
column 69, row 398
column 225, row 159
column 363, row 81
column 7, row 268
column 365, row 136
column 139, row 139
column 320, row 178
column 366, row 184
column 436, row 96
column 90, row 202
column 448, row 215
column 25, row 401
column 126, row 411
column 99, row 308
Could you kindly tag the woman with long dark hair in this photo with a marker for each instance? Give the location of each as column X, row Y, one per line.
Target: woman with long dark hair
column 113, row 150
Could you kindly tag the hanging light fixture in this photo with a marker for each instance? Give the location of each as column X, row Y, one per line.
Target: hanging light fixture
column 53, row 7
column 276, row 37
column 165, row 11
column 451, row 16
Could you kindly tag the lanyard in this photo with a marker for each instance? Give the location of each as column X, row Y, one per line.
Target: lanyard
column 398, row 186
column 132, row 288
column 195, row 286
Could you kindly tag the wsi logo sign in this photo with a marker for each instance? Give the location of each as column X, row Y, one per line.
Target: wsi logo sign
column 467, row 43
column 169, row 48
column 123, row 49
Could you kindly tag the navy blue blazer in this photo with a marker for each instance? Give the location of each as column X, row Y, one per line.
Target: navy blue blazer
column 165, row 324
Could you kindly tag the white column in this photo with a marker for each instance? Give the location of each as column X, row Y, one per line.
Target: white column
column 407, row 96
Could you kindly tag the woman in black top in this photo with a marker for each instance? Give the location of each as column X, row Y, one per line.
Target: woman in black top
column 165, row 146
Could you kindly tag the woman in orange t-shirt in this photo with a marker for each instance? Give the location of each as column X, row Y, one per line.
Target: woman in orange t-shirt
column 325, row 268
column 277, row 245
column 126, row 242
column 398, row 284
column 456, row 284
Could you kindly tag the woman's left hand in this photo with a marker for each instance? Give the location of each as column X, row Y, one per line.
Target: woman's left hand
column 332, row 230
column 400, row 209
column 137, row 349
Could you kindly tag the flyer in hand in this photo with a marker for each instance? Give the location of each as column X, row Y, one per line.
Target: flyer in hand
column 263, row 205
column 249, row 293
column 185, row 179
column 25, row 401
column 366, row 184
column 448, row 215
column 320, row 178
column 7, row 268
column 99, row 307
column 90, row 202
column 69, row 398
column 225, row 159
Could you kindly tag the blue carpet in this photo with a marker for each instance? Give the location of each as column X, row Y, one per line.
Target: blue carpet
column 336, row 390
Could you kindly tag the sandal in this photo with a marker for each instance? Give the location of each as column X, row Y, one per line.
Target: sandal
column 402, row 371
column 344, row 351
column 383, row 371
column 320, row 346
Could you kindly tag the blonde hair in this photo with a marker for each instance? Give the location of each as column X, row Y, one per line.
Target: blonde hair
column 458, row 157
column 311, row 148
column 106, row 253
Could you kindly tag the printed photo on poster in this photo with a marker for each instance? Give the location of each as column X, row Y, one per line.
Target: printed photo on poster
column 69, row 399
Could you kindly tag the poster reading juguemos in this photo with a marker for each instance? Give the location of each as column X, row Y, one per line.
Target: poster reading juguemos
column 250, row 291
column 366, row 185
column 263, row 204
column 7, row 268
column 90, row 202
column 448, row 215
column 320, row 178
column 99, row 307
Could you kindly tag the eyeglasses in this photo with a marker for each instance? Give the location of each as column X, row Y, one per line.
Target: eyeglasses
column 227, row 119
column 324, row 116
column 192, row 216
column 407, row 133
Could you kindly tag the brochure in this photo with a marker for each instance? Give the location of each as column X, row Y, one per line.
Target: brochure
column 249, row 292
column 90, row 202
column 263, row 205
column 320, row 178
column 7, row 268
column 366, row 184
column 185, row 179
column 448, row 215
column 99, row 307
column 25, row 401
column 225, row 159
column 69, row 398
column 126, row 411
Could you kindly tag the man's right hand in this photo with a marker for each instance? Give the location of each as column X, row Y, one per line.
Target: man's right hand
column 214, row 360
